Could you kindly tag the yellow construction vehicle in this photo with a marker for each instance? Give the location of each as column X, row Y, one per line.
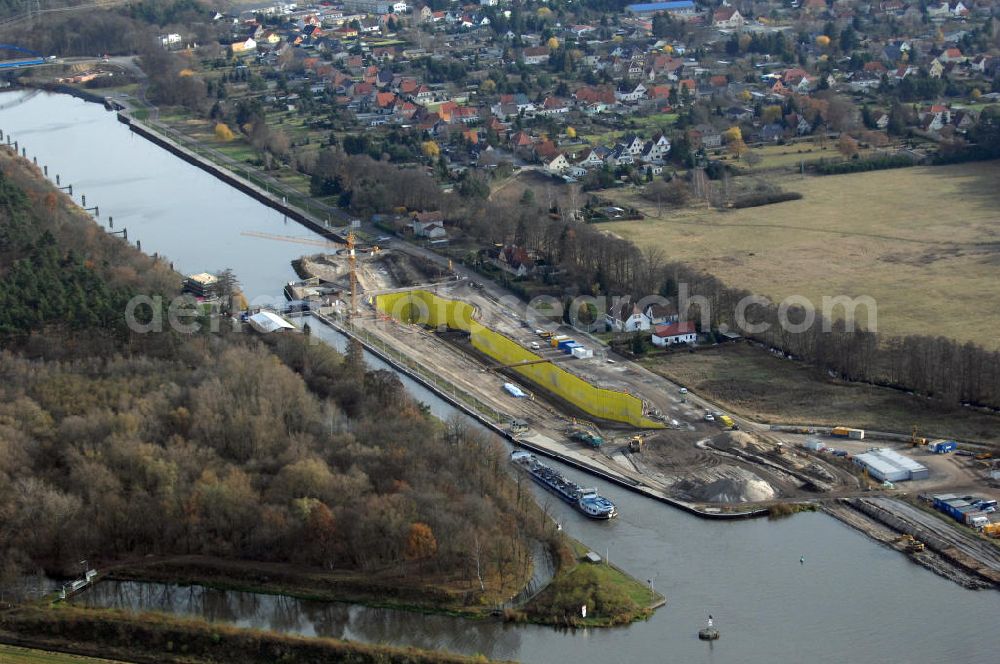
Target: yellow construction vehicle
column 635, row 444
column 911, row 544
column 916, row 441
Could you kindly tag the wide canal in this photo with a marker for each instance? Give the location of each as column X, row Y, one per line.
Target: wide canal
column 851, row 601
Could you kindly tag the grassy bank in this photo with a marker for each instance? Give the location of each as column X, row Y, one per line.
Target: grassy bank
column 755, row 384
column 166, row 640
column 19, row 655
column 422, row 592
column 611, row 596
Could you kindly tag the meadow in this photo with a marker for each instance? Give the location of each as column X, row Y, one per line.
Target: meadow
column 923, row 242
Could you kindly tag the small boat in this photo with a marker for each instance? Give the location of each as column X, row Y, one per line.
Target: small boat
column 587, row 501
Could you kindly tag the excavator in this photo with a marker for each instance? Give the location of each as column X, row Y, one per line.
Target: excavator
column 916, row 441
column 911, row 544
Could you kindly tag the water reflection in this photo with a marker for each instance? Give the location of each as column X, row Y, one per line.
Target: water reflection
column 308, row 618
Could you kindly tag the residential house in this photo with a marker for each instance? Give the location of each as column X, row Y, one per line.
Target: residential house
column 772, row 133
column 625, row 316
column 428, row 224
column 980, row 63
column 590, row 159
column 682, row 332
column 553, row 106
column 537, row 55
column 656, row 150
column 727, row 18
column 633, row 144
column 627, row 92
column 515, row 260
column 557, row 165
column 739, row 113
column 244, row 47
column 661, row 314
column 705, row 136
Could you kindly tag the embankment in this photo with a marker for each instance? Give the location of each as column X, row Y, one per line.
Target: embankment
column 161, row 639
column 590, row 468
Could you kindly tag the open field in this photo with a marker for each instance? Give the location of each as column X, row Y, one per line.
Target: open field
column 923, row 242
column 17, row 655
column 751, row 382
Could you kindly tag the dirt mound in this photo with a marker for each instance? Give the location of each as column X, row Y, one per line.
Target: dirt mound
column 732, row 485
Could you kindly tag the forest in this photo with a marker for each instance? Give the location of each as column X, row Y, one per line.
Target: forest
column 115, row 445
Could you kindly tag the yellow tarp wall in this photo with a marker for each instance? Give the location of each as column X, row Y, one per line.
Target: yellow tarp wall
column 426, row 308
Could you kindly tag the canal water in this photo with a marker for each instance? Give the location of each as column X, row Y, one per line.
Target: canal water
column 850, row 601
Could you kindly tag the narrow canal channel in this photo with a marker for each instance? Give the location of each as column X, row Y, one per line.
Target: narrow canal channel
column 852, row 600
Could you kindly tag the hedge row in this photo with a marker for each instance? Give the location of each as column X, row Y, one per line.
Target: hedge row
column 756, row 200
column 863, row 165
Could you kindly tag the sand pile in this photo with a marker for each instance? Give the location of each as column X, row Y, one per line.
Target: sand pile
column 733, row 485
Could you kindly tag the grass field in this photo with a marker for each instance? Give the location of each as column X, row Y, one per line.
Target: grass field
column 923, row 242
column 16, row 655
column 751, row 382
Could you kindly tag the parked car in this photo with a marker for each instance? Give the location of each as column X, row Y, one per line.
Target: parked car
column 709, row 417
column 684, row 390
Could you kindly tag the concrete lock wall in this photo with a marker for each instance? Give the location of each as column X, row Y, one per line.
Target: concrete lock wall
column 426, row 308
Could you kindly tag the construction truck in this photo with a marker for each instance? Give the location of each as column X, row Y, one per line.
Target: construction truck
column 635, row 444
column 727, row 422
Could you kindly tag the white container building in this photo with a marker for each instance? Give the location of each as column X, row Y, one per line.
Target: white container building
column 889, row 465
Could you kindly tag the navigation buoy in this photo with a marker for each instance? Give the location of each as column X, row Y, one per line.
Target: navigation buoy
column 709, row 633
column 802, row 560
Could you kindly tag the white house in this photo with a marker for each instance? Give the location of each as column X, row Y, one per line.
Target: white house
column 633, row 144
column 630, row 93
column 674, row 333
column 537, row 55
column 432, row 229
column 558, row 164
column 591, row 160
column 657, row 149
column 727, row 18
column 624, row 316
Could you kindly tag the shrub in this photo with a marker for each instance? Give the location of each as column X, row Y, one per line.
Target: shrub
column 767, row 198
column 864, row 165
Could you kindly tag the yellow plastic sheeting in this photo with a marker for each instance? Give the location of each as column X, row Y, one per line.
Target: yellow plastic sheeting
column 426, row 308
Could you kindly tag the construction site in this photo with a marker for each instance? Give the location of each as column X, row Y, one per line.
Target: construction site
column 560, row 392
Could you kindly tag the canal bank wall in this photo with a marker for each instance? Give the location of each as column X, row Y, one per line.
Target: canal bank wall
column 537, row 449
column 230, row 178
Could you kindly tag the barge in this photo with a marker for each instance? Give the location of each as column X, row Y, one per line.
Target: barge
column 586, row 501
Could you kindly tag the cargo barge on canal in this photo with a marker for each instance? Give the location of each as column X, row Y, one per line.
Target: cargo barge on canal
column 586, row 501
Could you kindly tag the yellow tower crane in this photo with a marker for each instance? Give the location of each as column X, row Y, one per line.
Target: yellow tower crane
column 352, row 262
